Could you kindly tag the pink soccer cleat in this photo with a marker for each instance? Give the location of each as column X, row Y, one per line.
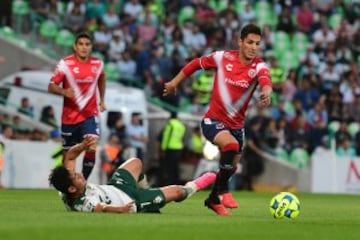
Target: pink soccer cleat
column 204, row 180
column 228, row 200
column 219, row 208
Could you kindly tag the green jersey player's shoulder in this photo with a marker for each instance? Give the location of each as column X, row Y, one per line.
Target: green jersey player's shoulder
column 68, row 202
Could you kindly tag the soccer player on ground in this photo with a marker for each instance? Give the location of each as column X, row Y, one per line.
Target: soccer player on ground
column 81, row 76
column 238, row 72
column 122, row 194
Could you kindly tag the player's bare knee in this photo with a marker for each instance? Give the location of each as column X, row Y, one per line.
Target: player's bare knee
column 133, row 164
column 135, row 161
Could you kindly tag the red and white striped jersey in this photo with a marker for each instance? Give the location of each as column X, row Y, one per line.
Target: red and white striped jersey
column 83, row 77
column 233, row 86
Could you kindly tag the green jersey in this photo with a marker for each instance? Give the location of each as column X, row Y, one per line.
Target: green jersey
column 95, row 194
column 120, row 190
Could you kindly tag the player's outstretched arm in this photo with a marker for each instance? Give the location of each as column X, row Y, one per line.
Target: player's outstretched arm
column 54, row 88
column 76, row 150
column 187, row 70
column 170, row 87
column 265, row 98
column 101, row 207
column 102, row 89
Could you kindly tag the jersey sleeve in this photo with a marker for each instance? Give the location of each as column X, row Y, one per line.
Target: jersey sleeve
column 263, row 73
column 208, row 61
column 58, row 74
column 204, row 62
column 102, row 75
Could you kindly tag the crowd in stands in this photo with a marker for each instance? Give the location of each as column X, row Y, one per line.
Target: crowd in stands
column 312, row 48
column 14, row 127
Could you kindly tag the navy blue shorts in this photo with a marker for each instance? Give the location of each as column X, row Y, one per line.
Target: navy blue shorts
column 73, row 134
column 211, row 127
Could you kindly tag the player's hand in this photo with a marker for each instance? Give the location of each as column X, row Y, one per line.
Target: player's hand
column 127, row 208
column 265, row 96
column 169, row 88
column 68, row 92
column 265, row 99
column 90, row 142
column 102, row 107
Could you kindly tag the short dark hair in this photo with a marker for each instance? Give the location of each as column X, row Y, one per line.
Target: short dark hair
column 173, row 114
column 249, row 29
column 83, row 35
column 60, row 179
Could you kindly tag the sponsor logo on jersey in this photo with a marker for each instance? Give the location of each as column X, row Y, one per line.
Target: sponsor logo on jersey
column 85, row 80
column 219, row 126
column 252, row 73
column 238, row 83
column 229, row 67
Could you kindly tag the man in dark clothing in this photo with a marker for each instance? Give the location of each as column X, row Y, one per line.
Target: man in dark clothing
column 253, row 162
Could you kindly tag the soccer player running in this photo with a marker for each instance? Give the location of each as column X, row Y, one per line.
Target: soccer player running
column 123, row 193
column 238, row 72
column 82, row 77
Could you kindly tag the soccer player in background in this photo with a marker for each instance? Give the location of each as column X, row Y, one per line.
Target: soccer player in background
column 238, row 72
column 82, row 77
column 124, row 193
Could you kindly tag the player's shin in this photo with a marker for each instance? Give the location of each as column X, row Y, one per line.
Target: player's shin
column 202, row 182
column 188, row 192
column 226, row 170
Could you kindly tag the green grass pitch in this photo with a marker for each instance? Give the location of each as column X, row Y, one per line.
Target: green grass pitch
column 39, row 214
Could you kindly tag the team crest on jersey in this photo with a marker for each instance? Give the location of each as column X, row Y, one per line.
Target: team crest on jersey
column 252, row 73
column 219, row 126
column 94, row 69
